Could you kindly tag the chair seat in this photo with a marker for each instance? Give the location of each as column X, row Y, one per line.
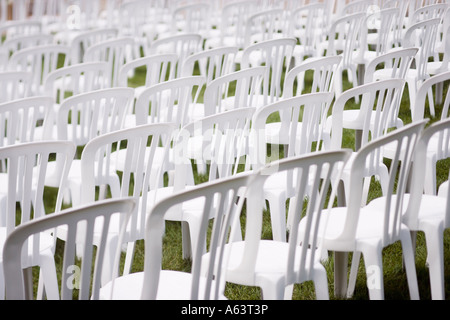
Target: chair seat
column 369, row 230
column 271, row 262
column 173, row 285
column 431, row 207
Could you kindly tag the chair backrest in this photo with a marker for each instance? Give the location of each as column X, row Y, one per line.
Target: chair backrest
column 238, row 89
column 116, row 52
column 396, row 63
column 40, row 61
column 219, row 140
column 275, row 55
column 422, row 35
column 183, row 45
column 192, row 18
column 232, row 21
column 265, row 25
column 170, row 101
column 26, row 174
column 404, row 141
column 14, row 85
column 75, row 79
column 308, row 24
column 96, row 214
column 399, row 20
column 12, row 29
column 22, row 119
column 222, row 199
column 301, row 126
column 423, row 95
column 81, row 42
column 379, row 110
column 439, row 130
column 23, row 42
column 310, row 176
column 141, row 10
column 212, row 63
column 322, row 69
column 385, row 18
column 82, row 117
column 427, row 12
column 134, row 153
column 343, row 37
column 157, row 68
column 356, row 6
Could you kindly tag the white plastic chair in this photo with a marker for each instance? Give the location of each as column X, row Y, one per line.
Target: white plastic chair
column 40, row 61
column 275, row 55
column 23, row 182
column 425, row 212
column 211, row 63
column 322, row 69
column 300, row 132
column 12, row 29
column 116, row 52
column 80, row 43
column 378, row 112
column 373, row 114
column 14, row 85
column 239, row 89
column 23, row 42
column 363, row 230
column 430, row 11
column 93, row 215
column 183, row 45
column 75, row 79
column 356, row 6
column 383, row 23
column 124, row 162
column 232, row 23
column 399, row 21
column 144, row 20
column 26, row 120
column 342, row 39
column 276, row 266
column 421, row 35
column 308, row 24
column 192, row 18
column 221, row 199
column 436, row 148
column 265, row 25
column 442, row 65
column 215, row 145
column 157, row 68
column 170, row 101
column 393, row 64
column 96, row 113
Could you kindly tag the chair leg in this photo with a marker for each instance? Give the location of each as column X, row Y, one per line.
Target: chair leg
column 321, row 283
column 374, row 271
column 272, row 289
column 340, row 274
column 277, row 207
column 410, row 266
column 435, row 248
column 353, row 273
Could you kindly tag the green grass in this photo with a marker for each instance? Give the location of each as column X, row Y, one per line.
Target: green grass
column 394, row 273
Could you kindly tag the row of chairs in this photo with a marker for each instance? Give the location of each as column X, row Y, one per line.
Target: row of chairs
column 288, row 107
column 366, row 229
